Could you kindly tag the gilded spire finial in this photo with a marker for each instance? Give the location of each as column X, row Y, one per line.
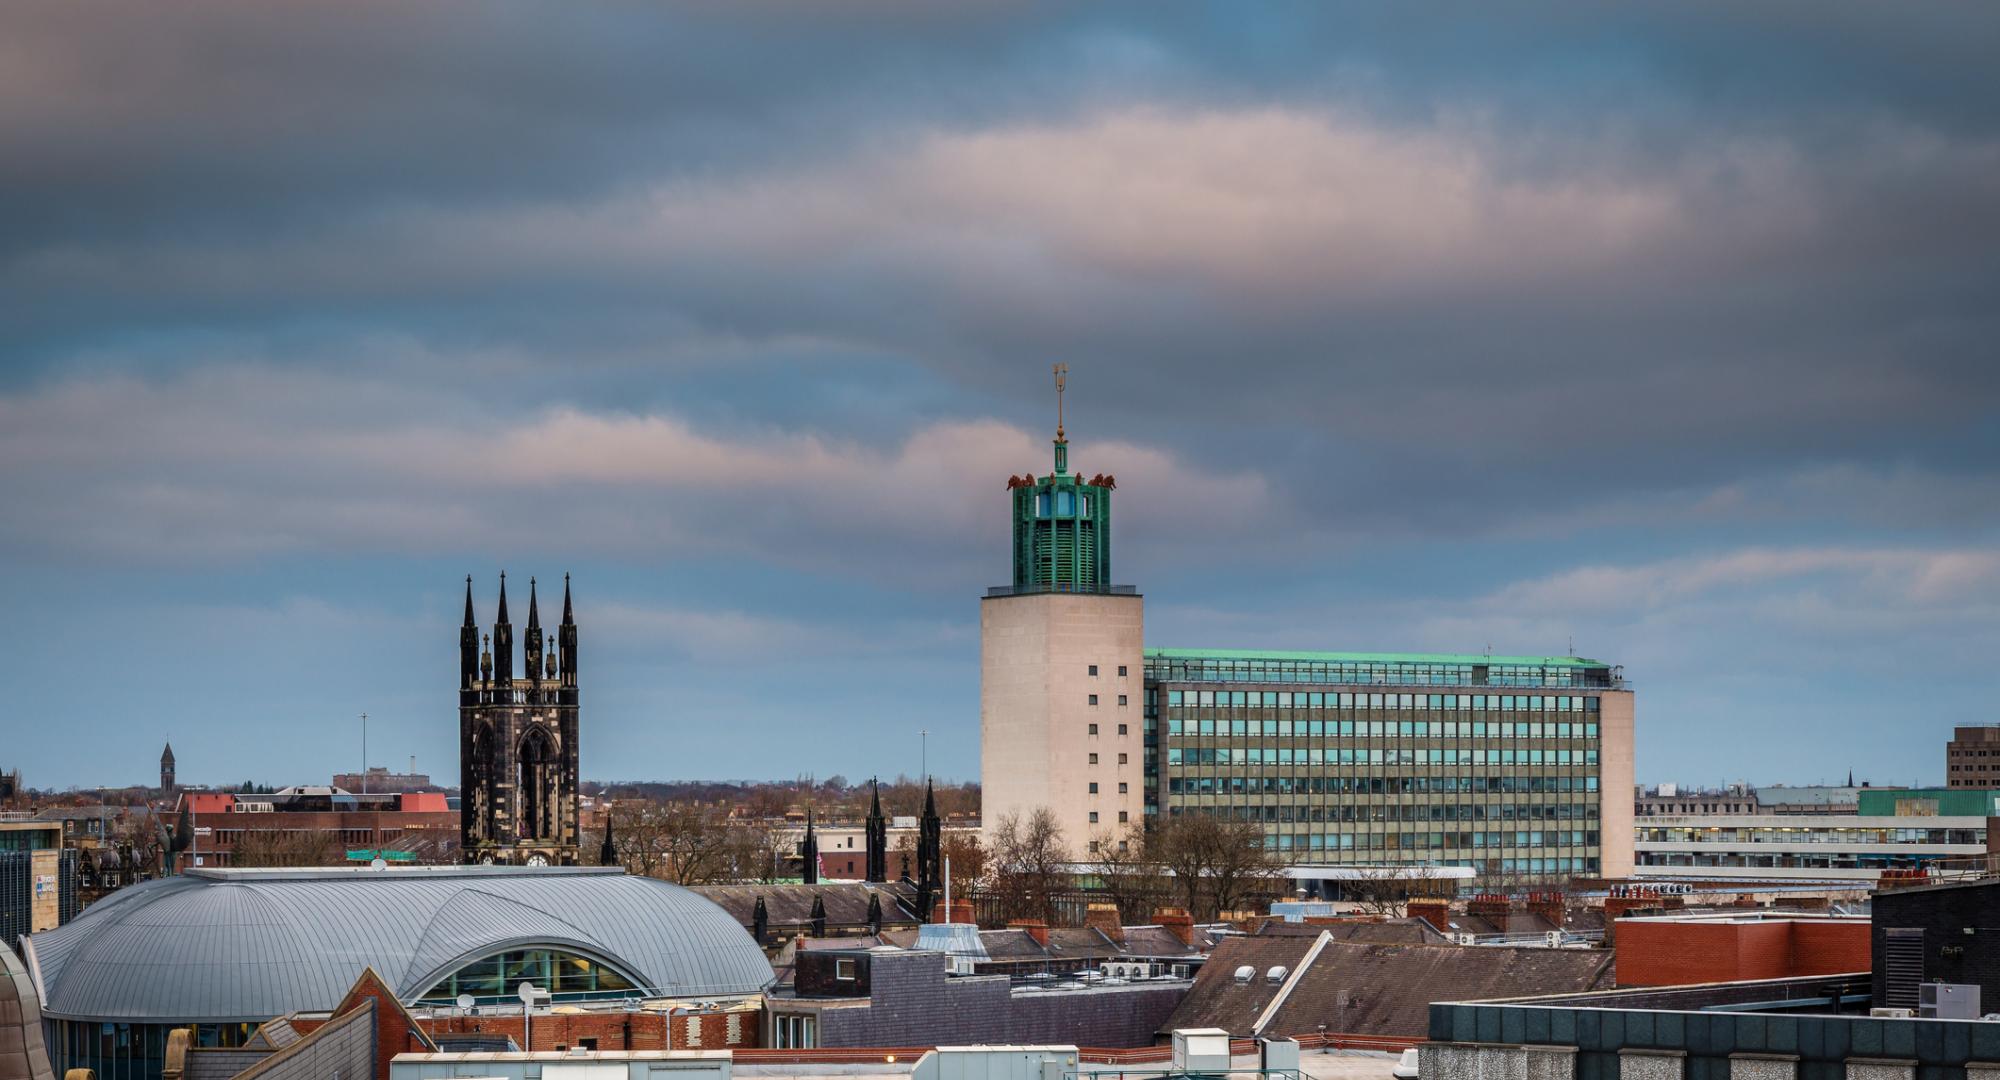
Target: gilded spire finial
column 1062, row 377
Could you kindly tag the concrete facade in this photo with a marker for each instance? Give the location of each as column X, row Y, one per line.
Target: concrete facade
column 1615, row 763
column 1036, row 691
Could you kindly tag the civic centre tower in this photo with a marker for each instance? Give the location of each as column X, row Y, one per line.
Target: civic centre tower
column 1508, row 765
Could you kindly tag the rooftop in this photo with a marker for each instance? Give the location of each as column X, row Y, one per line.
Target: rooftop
column 1467, row 659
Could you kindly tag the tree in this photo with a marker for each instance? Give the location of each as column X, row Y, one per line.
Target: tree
column 1130, row 875
column 1028, row 865
column 961, row 849
column 288, row 847
column 1216, row 863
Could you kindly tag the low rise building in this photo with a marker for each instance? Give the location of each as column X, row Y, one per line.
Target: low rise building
column 315, row 826
column 1854, row 848
column 891, row 997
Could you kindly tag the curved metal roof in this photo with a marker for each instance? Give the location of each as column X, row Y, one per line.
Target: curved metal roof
column 248, row 945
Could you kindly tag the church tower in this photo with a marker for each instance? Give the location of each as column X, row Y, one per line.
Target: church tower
column 167, row 770
column 517, row 748
column 1061, row 665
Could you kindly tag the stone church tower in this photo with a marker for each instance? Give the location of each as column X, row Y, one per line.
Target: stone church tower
column 517, row 739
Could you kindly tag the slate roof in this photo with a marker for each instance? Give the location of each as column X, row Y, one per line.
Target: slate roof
column 1216, row 1000
column 1389, row 986
column 1392, row 932
column 790, row 906
column 248, row 945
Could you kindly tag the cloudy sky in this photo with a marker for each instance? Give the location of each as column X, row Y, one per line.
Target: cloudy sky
column 1666, row 329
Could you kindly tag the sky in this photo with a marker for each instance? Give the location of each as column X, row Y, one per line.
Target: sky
column 1663, row 330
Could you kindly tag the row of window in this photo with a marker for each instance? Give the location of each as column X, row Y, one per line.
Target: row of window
column 1382, row 729
column 1123, row 759
column 1373, row 672
column 1121, row 699
column 1428, row 841
column 1123, row 817
column 1810, row 835
column 1460, row 786
column 1352, row 814
column 1313, row 755
column 1301, row 699
column 1121, row 673
column 1330, row 785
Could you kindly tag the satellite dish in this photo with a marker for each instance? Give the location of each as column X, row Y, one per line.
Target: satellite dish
column 465, row 1003
column 378, row 864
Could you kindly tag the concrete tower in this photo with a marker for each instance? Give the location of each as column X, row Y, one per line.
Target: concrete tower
column 1061, row 665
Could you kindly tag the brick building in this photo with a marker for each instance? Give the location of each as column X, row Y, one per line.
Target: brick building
column 1972, row 757
column 1678, row 950
column 316, row 826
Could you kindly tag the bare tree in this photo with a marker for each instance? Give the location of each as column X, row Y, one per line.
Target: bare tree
column 288, row 847
column 1129, row 873
column 1028, row 865
column 1216, row 863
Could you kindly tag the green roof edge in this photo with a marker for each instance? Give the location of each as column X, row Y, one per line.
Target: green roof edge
column 1366, row 657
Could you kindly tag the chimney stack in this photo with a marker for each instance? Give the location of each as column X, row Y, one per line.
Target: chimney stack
column 1104, row 919
column 1177, row 922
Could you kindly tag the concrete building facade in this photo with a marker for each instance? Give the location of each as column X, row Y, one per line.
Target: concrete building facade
column 1503, row 764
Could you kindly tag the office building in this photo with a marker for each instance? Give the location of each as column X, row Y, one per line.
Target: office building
column 1500, row 764
column 1853, row 848
column 1972, row 757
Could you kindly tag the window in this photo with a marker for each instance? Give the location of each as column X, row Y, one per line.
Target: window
column 1093, row 671
column 794, row 1032
column 1124, row 816
column 1093, row 699
column 1121, row 729
column 1121, row 699
column 1093, row 821
column 1122, row 758
column 1093, row 759
column 1121, row 671
column 1093, row 729
column 1093, row 787
column 843, row 970
column 1123, row 787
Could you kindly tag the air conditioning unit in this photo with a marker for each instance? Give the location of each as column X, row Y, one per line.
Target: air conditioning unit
column 1948, row 1001
column 1893, row 1014
column 1462, row 938
column 1554, row 938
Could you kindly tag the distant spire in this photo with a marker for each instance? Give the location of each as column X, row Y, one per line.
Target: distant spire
column 502, row 617
column 469, row 620
column 568, row 619
column 1062, row 441
column 608, row 854
column 534, row 616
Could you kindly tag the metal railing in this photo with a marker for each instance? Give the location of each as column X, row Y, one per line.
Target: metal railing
column 1082, row 590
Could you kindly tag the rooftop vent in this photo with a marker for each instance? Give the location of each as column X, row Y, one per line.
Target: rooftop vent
column 1244, row 974
column 1276, row 975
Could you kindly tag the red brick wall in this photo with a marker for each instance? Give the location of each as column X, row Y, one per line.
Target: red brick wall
column 620, row 1030
column 1830, row 948
column 1679, row 953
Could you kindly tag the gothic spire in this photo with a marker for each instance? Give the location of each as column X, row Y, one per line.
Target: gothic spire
column 568, row 619
column 534, row 616
column 502, row 617
column 608, row 854
column 469, row 619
